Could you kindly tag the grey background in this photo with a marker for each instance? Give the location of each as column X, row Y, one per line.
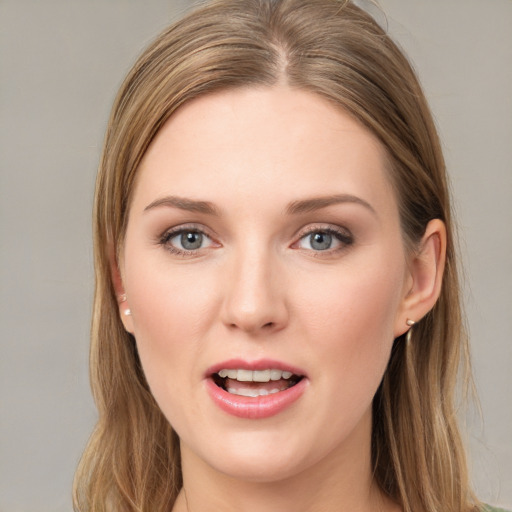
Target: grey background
column 61, row 62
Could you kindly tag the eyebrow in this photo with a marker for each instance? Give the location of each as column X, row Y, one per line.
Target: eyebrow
column 317, row 203
column 294, row 208
column 183, row 203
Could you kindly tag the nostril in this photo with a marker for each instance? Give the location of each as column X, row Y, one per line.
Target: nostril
column 267, row 326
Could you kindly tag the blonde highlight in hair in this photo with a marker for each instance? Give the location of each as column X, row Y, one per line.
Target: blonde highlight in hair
column 336, row 50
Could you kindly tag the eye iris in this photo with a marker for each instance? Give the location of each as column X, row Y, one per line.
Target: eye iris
column 321, row 241
column 191, row 240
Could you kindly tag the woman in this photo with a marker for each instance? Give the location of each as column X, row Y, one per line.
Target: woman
column 277, row 322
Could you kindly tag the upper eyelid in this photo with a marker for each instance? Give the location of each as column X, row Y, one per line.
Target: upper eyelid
column 176, row 230
column 165, row 238
column 314, row 227
column 343, row 235
column 299, row 234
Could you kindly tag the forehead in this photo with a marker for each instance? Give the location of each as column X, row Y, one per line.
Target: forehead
column 273, row 143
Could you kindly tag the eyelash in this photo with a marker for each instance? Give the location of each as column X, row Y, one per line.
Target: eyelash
column 165, row 239
column 343, row 236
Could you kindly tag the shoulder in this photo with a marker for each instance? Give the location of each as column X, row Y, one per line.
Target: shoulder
column 488, row 508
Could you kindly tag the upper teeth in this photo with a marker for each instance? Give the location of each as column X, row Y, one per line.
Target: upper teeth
column 254, row 376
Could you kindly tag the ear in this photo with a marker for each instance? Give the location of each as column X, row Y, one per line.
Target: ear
column 117, row 283
column 425, row 276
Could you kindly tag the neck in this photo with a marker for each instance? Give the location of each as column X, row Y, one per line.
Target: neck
column 340, row 482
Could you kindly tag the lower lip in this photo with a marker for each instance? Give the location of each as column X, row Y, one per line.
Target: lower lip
column 255, row 407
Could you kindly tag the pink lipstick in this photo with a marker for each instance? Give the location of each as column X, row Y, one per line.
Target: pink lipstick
column 254, row 390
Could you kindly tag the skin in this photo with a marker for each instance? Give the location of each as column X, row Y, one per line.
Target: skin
column 258, row 287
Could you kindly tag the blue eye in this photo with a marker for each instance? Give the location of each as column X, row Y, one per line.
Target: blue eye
column 320, row 241
column 324, row 240
column 189, row 240
column 183, row 241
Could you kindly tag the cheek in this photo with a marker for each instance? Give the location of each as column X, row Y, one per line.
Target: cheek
column 170, row 312
column 169, row 302
column 351, row 319
column 359, row 300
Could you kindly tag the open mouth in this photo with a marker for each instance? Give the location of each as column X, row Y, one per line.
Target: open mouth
column 254, row 383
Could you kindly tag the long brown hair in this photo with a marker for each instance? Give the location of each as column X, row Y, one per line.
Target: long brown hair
column 335, row 49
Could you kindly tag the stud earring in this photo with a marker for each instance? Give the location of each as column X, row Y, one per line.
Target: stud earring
column 127, row 312
column 122, row 298
column 410, row 323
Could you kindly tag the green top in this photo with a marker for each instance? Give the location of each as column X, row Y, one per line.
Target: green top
column 488, row 508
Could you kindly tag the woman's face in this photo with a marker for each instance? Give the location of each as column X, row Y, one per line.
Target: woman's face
column 264, row 240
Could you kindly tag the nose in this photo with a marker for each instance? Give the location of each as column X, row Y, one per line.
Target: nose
column 255, row 294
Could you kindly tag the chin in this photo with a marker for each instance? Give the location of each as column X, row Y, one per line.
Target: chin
column 260, row 457
column 260, row 469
